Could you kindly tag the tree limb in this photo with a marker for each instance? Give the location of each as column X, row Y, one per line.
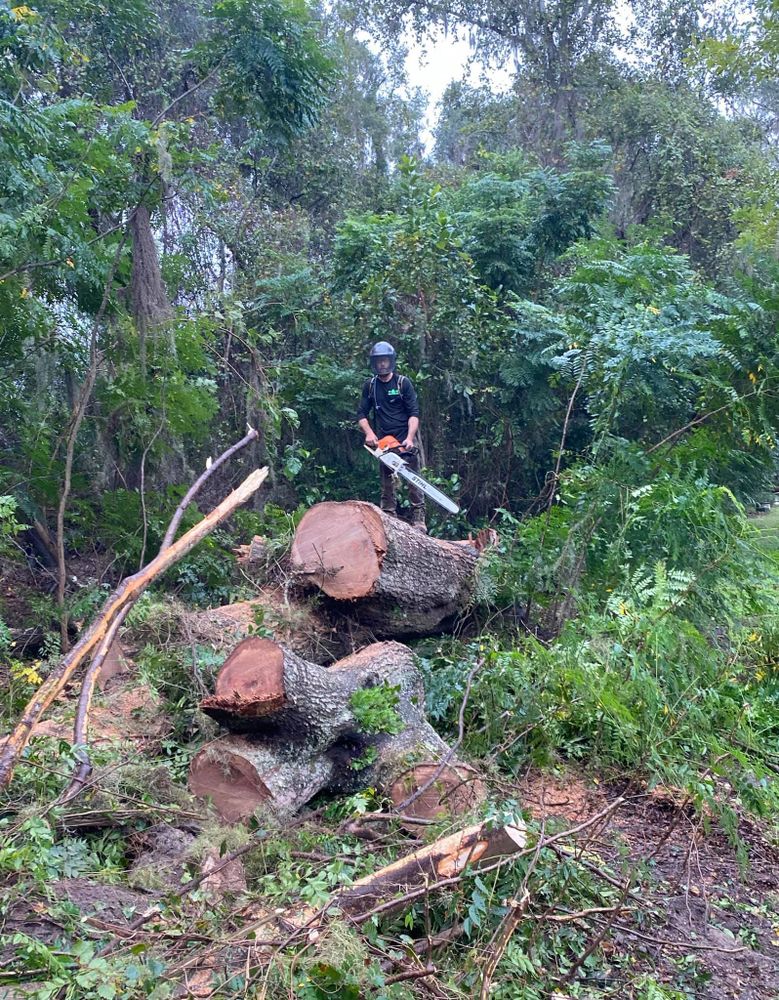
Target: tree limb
column 81, row 724
column 128, row 591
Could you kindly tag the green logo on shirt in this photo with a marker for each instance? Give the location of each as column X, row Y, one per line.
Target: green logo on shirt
column 393, row 392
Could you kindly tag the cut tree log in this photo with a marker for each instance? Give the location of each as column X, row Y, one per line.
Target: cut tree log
column 303, row 728
column 264, row 688
column 240, row 775
column 442, row 860
column 396, row 579
column 127, row 591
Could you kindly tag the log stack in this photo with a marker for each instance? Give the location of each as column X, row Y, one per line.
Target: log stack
column 295, row 727
column 295, row 732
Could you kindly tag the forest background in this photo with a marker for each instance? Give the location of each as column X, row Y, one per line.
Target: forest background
column 209, row 212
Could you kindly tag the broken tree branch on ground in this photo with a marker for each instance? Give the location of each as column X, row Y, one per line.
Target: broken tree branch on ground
column 127, row 592
column 81, row 724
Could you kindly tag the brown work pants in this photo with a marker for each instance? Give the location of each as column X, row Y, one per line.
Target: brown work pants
column 389, row 482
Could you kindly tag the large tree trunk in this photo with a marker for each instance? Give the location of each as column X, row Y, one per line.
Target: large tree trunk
column 305, row 736
column 149, row 302
column 397, row 580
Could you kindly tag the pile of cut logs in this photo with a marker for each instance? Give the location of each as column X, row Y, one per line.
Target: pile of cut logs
column 293, row 730
column 293, row 726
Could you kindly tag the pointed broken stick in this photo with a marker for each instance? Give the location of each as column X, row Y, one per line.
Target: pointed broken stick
column 127, row 591
column 81, row 723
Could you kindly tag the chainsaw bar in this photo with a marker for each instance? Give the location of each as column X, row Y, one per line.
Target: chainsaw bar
column 400, row 468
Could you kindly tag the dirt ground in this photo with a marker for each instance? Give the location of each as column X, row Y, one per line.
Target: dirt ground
column 712, row 927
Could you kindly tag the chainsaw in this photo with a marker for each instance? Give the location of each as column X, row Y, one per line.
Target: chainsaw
column 385, row 452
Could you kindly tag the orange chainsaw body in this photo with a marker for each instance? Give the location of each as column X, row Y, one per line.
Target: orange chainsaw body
column 389, row 442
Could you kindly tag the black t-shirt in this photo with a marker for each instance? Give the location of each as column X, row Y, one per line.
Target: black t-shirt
column 394, row 402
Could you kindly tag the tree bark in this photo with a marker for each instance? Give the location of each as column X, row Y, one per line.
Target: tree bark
column 397, row 580
column 301, row 723
column 148, row 296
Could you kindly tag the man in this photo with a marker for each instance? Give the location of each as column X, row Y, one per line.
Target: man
column 396, row 411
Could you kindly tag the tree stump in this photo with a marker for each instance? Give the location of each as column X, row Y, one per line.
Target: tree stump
column 297, row 730
column 397, row 580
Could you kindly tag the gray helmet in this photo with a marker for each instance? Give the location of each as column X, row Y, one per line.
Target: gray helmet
column 381, row 354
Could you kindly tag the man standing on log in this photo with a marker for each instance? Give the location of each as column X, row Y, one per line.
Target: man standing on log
column 396, row 411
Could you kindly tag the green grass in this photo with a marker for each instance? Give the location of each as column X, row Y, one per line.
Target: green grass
column 768, row 530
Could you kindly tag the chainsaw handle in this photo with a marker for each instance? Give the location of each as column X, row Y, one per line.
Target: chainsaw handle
column 388, row 443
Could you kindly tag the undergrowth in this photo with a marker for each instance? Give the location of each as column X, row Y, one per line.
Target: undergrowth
column 666, row 676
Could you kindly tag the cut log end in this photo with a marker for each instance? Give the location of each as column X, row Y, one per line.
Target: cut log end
column 239, row 775
column 250, row 682
column 254, row 671
column 455, row 791
column 229, row 781
column 339, row 548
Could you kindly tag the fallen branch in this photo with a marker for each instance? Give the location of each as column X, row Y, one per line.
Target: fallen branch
column 685, row 945
column 128, row 591
column 436, row 865
column 211, row 467
column 81, row 724
column 425, row 869
column 500, row 940
column 410, row 974
column 567, row 918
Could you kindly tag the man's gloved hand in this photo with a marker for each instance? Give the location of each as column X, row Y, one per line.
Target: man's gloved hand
column 371, row 440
